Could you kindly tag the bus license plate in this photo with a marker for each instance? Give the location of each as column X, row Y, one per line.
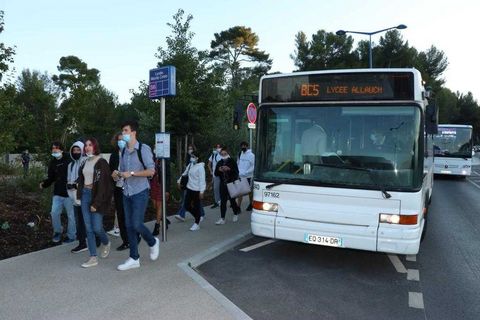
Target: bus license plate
column 323, row 241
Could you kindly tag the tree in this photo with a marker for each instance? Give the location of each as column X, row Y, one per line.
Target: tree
column 88, row 108
column 393, row 52
column 236, row 51
column 326, row 50
column 432, row 63
column 12, row 121
column 38, row 95
column 6, row 53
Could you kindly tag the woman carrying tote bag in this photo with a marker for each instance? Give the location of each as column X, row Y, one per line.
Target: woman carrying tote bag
column 227, row 171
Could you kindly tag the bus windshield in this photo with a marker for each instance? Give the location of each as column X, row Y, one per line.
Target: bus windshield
column 453, row 142
column 346, row 146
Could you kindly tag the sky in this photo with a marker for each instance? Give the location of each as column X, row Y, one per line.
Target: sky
column 120, row 38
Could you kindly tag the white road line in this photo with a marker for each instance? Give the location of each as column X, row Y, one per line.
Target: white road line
column 415, row 300
column 413, row 275
column 411, row 257
column 475, row 172
column 397, row 263
column 258, row 245
column 476, row 185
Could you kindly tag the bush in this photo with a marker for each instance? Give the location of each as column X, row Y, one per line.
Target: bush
column 7, row 169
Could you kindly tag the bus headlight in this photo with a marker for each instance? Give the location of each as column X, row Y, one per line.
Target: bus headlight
column 398, row 219
column 265, row 206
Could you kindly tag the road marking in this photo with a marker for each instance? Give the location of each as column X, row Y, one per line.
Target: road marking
column 258, row 245
column 475, row 172
column 415, row 300
column 411, row 257
column 397, row 263
column 476, row 185
column 413, row 275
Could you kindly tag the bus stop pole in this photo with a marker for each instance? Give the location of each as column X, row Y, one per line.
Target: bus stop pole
column 164, row 202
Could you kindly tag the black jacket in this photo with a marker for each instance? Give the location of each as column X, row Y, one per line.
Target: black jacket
column 230, row 176
column 57, row 174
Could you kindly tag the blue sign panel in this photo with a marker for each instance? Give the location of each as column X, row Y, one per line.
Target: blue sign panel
column 162, row 82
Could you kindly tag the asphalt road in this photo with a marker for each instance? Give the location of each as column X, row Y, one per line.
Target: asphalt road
column 287, row 280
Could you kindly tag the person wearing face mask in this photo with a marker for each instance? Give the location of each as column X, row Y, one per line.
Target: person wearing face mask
column 78, row 157
column 195, row 188
column 57, row 175
column 212, row 163
column 118, row 145
column 95, row 193
column 180, row 215
column 246, row 165
column 227, row 171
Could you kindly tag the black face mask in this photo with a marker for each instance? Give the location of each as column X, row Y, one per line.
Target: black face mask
column 244, row 149
column 76, row 156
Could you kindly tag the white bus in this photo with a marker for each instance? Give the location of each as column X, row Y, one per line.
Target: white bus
column 453, row 150
column 344, row 158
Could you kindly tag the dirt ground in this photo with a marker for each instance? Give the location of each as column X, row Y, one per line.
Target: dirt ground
column 26, row 227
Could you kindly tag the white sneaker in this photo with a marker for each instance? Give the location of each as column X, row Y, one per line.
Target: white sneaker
column 179, row 217
column 195, row 227
column 114, row 232
column 129, row 264
column 235, row 218
column 202, row 218
column 155, row 250
column 220, row 221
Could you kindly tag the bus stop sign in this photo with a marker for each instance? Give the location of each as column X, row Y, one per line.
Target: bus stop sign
column 251, row 112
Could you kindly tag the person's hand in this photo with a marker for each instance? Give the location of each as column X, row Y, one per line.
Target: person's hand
column 93, row 209
column 125, row 175
column 226, row 168
column 167, row 196
column 201, row 195
column 115, row 175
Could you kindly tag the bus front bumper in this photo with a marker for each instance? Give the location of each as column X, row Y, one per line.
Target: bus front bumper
column 382, row 238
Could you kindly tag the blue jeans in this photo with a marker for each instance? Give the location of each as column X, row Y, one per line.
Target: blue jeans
column 182, row 210
column 93, row 223
column 134, row 208
column 58, row 203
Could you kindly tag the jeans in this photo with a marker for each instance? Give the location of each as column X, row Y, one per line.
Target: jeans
column 134, row 207
column 58, row 203
column 182, row 210
column 216, row 188
column 192, row 204
column 93, row 223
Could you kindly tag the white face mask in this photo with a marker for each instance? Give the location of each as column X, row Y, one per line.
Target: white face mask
column 193, row 160
column 225, row 157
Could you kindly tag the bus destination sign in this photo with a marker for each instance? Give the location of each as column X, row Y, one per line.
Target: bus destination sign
column 335, row 87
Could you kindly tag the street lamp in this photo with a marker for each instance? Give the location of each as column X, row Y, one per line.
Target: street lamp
column 369, row 34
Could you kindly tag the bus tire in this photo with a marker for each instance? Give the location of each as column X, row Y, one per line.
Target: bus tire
column 424, row 231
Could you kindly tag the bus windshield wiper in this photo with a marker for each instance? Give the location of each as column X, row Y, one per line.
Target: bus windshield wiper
column 370, row 172
column 273, row 185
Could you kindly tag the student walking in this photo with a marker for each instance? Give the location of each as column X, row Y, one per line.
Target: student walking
column 57, row 175
column 25, row 162
column 246, row 165
column 119, row 145
column 227, row 170
column 78, row 157
column 95, row 191
column 212, row 163
column 195, row 188
column 136, row 165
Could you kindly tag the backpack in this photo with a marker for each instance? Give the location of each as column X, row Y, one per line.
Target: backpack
column 139, row 154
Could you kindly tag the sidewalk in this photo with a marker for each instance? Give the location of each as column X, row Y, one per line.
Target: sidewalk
column 50, row 284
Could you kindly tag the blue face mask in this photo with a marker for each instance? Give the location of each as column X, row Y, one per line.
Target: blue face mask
column 121, row 144
column 57, row 155
column 126, row 137
column 193, row 160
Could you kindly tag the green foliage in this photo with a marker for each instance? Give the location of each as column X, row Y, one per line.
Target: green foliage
column 6, row 53
column 75, row 74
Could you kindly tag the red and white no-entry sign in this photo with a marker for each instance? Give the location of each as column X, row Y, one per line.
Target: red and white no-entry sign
column 251, row 112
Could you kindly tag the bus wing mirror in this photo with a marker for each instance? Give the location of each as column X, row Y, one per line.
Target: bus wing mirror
column 431, row 119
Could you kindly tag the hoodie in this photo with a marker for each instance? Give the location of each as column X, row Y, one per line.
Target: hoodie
column 246, row 164
column 73, row 168
column 196, row 177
